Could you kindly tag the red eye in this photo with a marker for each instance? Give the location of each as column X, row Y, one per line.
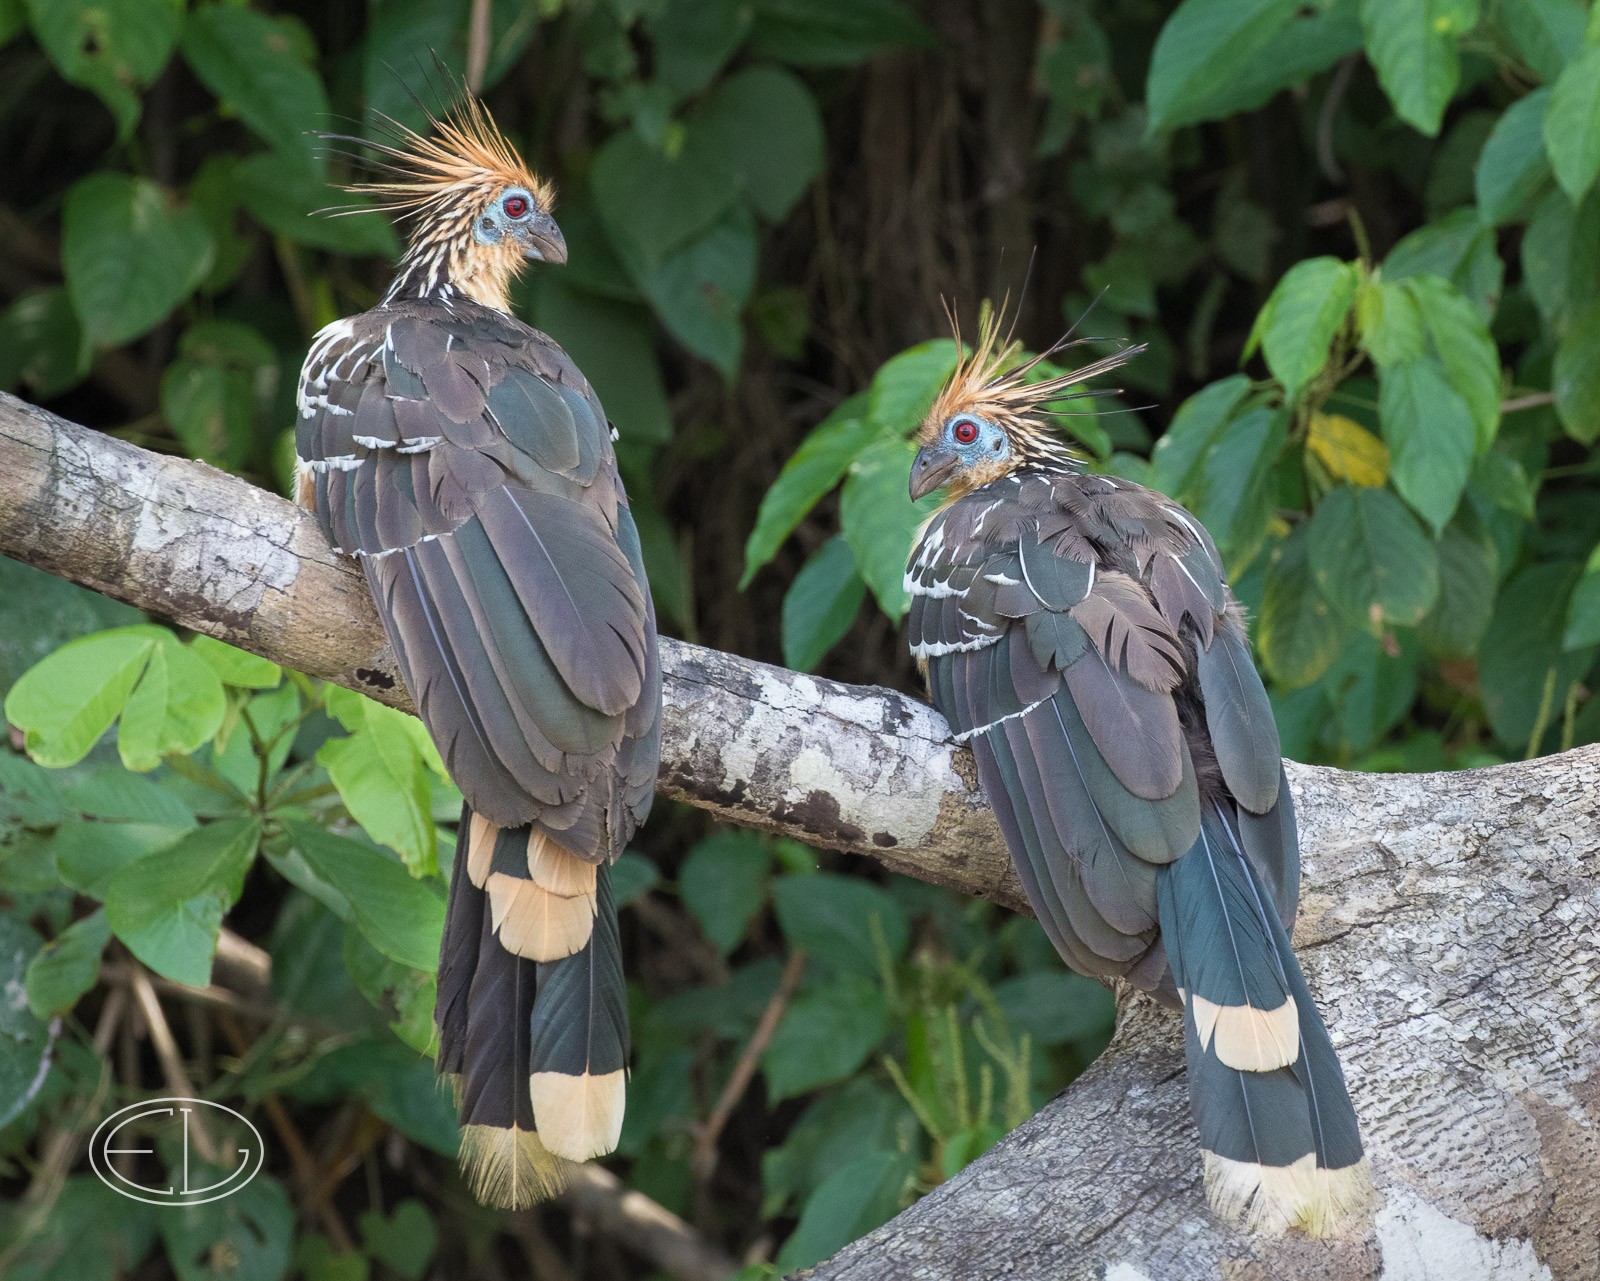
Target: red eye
column 515, row 206
column 966, row 431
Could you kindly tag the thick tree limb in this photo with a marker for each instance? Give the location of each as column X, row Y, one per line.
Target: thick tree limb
column 1452, row 922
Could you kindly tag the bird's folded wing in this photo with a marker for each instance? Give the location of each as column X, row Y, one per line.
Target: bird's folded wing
column 470, row 468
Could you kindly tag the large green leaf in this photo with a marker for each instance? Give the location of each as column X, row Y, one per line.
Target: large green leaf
column 1524, row 670
column 1464, row 346
column 1468, row 575
column 1206, row 43
column 61, row 1248
column 208, row 394
column 905, row 385
column 42, row 344
column 167, row 907
column 832, row 918
column 110, row 47
column 723, row 882
column 401, row 917
column 130, row 255
column 880, row 521
column 65, row 703
column 812, row 470
column 24, row 1039
column 1178, row 454
column 247, row 1235
column 177, row 705
column 67, row 966
column 1370, row 558
column 290, row 201
column 89, row 855
column 765, row 123
column 1572, row 125
column 1299, row 633
column 1389, row 321
column 1413, row 44
column 1459, row 248
column 1235, row 491
column 699, row 289
column 820, row 604
column 1056, row 1007
column 1513, row 166
column 1583, row 612
column 833, row 33
column 43, row 612
column 403, row 41
column 1305, row 312
column 654, row 204
column 826, row 1035
column 1429, row 431
column 1575, row 379
column 383, row 778
column 257, row 65
column 1547, row 33
column 854, row 1199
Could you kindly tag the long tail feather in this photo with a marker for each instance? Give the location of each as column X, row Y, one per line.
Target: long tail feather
column 1282, row 1147
column 579, row 1042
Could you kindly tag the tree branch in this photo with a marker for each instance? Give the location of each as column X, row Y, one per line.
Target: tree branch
column 1450, row 923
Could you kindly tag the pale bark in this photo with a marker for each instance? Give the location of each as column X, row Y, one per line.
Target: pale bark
column 1450, row 923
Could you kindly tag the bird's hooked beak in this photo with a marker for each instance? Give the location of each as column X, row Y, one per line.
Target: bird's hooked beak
column 543, row 240
column 933, row 466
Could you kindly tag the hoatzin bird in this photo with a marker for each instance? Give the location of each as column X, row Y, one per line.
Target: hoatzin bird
column 1077, row 632
column 465, row 461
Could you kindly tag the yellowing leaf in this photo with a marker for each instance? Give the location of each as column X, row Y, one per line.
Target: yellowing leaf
column 1348, row 450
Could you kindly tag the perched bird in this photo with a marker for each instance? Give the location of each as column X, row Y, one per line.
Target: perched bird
column 465, row 461
column 1077, row 632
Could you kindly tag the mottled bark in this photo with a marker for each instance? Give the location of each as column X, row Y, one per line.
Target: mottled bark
column 1450, row 923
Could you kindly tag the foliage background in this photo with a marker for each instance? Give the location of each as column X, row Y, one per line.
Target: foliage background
column 1361, row 238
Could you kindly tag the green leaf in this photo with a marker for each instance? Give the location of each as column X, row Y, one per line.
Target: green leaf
column 65, row 703
column 247, row 1235
column 383, row 781
column 1575, row 378
column 1523, row 654
column 28, row 796
column 1469, row 572
column 1299, row 634
column 1370, row 558
column 699, row 290
column 177, row 705
column 208, row 394
column 1412, row 43
column 111, row 792
column 256, row 65
column 1389, row 321
column 1462, row 341
column 42, row 344
column 694, row 39
column 1178, row 454
column 1056, row 1006
column 1513, row 166
column 396, row 1083
column 880, row 520
column 89, row 855
column 723, row 881
column 167, row 907
column 816, row 467
column 60, row 1249
column 1303, row 315
column 236, row 667
column 1459, row 248
column 24, row 1039
column 1547, row 33
column 632, row 876
column 831, row 918
column 765, row 123
column 855, row 1198
column 825, row 1036
column 110, row 47
column 403, row 38
column 1583, row 612
column 400, row 916
column 820, row 604
column 1572, row 125
column 67, row 966
column 285, row 197
column 1430, row 434
column 1235, row 491
column 903, row 390
column 833, row 33
column 1206, row 43
column 859, row 1118
column 129, row 255
column 654, row 204
column 404, row 1242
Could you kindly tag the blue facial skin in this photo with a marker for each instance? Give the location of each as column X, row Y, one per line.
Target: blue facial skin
column 537, row 232
column 938, row 462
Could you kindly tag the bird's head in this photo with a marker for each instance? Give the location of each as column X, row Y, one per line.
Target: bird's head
column 994, row 414
column 477, row 214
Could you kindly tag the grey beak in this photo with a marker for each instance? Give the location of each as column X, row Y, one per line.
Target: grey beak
column 931, row 469
column 545, row 241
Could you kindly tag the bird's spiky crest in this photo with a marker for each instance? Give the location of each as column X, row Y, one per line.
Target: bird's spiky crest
column 992, row 380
